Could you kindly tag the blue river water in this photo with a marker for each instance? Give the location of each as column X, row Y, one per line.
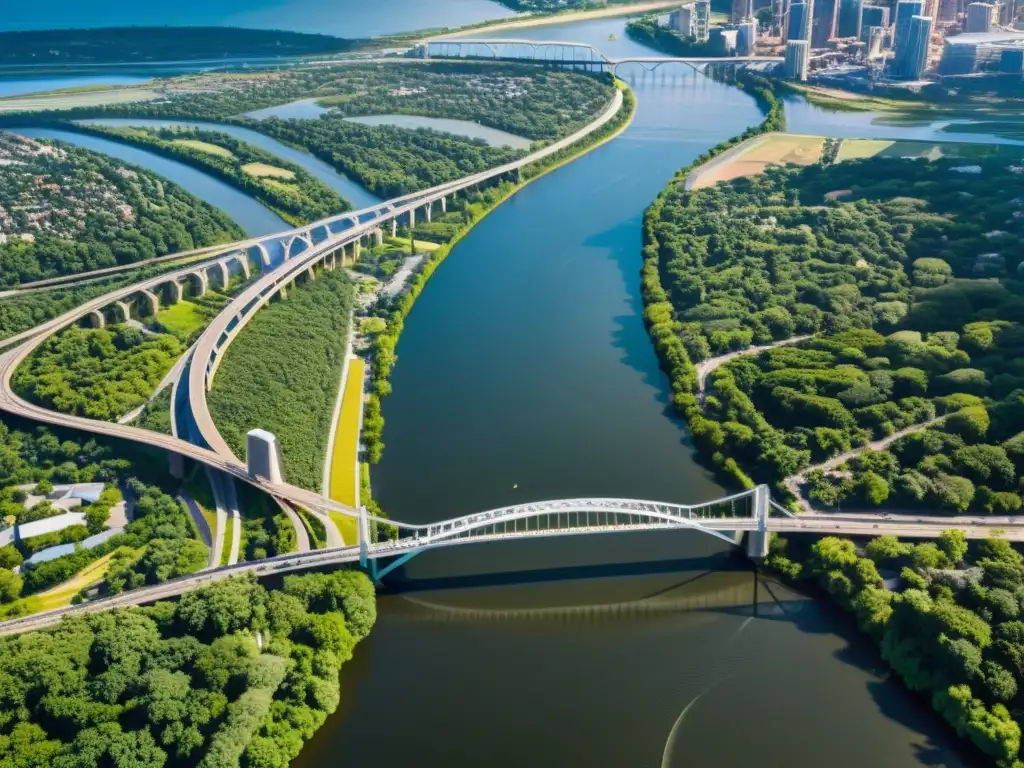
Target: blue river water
column 342, row 18
column 21, row 85
column 344, row 186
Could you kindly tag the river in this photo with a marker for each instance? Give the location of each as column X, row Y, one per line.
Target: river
column 342, row 18
column 525, row 373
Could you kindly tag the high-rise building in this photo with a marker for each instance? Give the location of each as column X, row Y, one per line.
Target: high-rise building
column 876, row 38
column 979, row 17
column 850, row 14
column 746, row 37
column 723, row 41
column 798, row 53
column 872, row 16
column 824, row 18
column 905, row 11
column 681, row 19
column 912, row 54
column 799, row 27
column 948, row 9
column 741, row 10
column 702, row 20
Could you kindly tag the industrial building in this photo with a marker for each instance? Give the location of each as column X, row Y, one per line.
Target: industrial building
column 981, row 52
column 798, row 54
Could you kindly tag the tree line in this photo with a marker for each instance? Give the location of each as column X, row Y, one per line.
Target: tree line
column 947, row 620
column 232, row 674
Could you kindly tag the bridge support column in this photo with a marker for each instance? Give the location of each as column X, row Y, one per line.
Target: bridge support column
column 263, row 456
column 759, row 539
column 356, row 247
column 310, row 274
column 429, row 211
column 96, row 319
column 444, row 205
column 175, row 291
column 378, row 236
column 394, row 227
column 202, row 281
column 364, row 540
column 150, row 302
column 223, row 273
column 176, row 465
column 126, row 310
column 243, row 262
column 412, row 218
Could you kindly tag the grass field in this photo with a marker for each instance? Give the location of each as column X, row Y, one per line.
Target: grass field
column 60, row 596
column 73, row 100
column 202, row 146
column 182, row 319
column 346, row 439
column 777, row 149
column 348, row 527
column 262, row 170
column 229, row 531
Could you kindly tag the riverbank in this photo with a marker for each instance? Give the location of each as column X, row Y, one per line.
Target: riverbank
column 659, row 314
column 934, row 625
column 561, row 17
column 383, row 350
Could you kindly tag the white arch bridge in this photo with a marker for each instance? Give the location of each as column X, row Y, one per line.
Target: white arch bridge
column 568, row 53
column 751, row 513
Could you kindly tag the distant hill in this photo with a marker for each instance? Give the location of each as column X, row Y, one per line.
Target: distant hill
column 142, row 44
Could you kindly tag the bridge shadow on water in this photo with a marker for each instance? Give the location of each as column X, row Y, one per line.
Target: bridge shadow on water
column 691, row 568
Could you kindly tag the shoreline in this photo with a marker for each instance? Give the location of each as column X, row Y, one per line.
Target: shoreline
column 373, row 399
column 561, row 17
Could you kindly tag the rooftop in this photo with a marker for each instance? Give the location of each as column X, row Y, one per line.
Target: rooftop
column 981, row 38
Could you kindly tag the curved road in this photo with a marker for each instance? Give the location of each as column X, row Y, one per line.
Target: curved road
column 239, row 311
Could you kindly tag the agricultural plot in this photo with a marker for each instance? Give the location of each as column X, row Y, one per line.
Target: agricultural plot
column 752, row 159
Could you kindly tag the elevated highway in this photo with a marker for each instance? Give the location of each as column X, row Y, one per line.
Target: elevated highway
column 305, row 248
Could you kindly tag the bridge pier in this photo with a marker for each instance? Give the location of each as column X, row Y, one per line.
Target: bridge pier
column 96, row 319
column 202, row 282
column 444, row 205
column 126, row 309
column 429, row 210
column 222, row 272
column 263, row 456
column 759, row 540
column 394, row 227
column 176, row 465
column 151, row 302
column 378, row 236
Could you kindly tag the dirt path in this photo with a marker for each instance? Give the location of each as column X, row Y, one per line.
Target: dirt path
column 706, row 368
column 793, row 482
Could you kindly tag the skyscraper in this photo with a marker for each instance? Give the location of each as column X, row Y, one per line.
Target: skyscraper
column 799, row 27
column 824, row 17
column 979, row 17
column 741, row 11
column 872, row 16
column 905, row 11
column 850, row 14
column 746, row 37
column 797, row 56
column 912, row 58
